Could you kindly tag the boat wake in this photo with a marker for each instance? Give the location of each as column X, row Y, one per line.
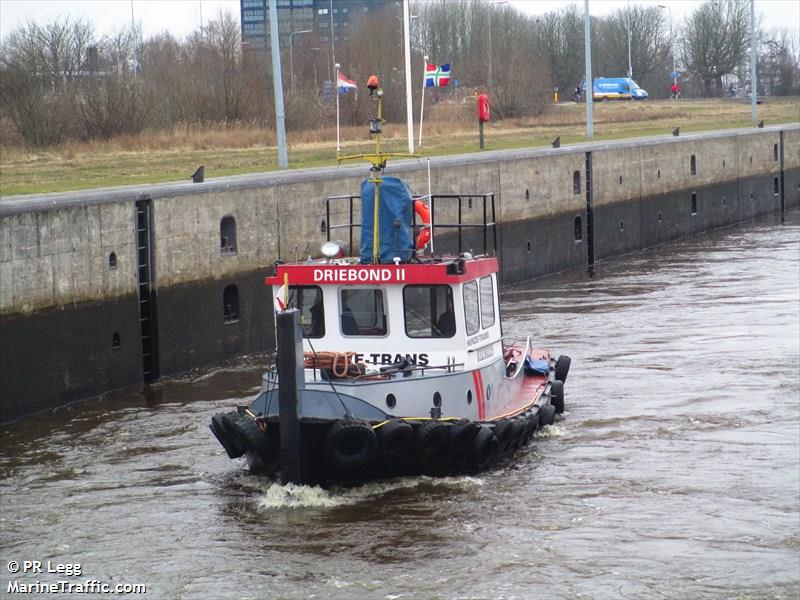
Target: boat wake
column 276, row 496
column 548, row 431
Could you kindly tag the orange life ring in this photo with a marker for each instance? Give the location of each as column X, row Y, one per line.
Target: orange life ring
column 424, row 214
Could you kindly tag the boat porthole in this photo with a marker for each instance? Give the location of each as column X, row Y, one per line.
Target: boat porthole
column 391, row 401
column 469, row 396
column 437, row 399
column 488, row 392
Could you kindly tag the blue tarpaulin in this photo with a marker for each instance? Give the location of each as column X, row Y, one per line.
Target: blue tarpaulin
column 537, row 367
column 394, row 217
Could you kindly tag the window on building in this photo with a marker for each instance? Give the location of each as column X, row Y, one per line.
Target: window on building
column 230, row 304
column 471, row 314
column 428, row 311
column 693, row 164
column 227, row 236
column 487, row 302
column 576, row 182
column 694, row 203
column 776, row 188
column 308, row 299
column 578, row 229
column 775, row 152
column 322, row 11
column 112, row 261
column 362, row 312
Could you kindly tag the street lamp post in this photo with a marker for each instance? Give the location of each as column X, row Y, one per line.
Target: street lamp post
column 671, row 46
column 491, row 8
column 291, row 53
column 628, row 25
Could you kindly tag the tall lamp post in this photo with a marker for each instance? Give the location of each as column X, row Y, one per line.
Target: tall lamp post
column 291, row 54
column 491, row 8
column 671, row 45
column 628, row 25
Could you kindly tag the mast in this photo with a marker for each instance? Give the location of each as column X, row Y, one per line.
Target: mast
column 377, row 160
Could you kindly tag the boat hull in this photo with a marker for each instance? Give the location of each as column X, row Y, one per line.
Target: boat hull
column 344, row 438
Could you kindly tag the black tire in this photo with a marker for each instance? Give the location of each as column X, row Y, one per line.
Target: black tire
column 503, row 431
column 517, row 433
column 531, row 424
column 253, row 440
column 350, row 444
column 222, row 426
column 557, row 396
column 484, row 449
column 395, row 439
column 462, row 435
column 562, row 367
column 547, row 415
column 432, row 443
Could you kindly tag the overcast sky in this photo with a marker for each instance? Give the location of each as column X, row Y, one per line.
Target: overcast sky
column 184, row 16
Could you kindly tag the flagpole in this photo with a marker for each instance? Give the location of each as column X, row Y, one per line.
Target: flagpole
column 422, row 102
column 407, row 50
column 338, row 147
column 430, row 197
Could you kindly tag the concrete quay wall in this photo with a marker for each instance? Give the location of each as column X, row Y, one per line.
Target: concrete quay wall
column 110, row 288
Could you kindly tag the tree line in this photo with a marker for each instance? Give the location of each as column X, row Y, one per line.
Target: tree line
column 61, row 80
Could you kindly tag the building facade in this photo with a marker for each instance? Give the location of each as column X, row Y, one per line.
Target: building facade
column 326, row 18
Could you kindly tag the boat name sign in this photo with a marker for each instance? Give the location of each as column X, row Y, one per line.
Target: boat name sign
column 478, row 338
column 360, row 275
column 422, row 359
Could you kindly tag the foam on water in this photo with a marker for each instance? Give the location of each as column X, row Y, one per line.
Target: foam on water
column 549, row 431
column 276, row 496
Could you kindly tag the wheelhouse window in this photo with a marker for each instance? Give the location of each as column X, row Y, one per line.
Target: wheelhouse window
column 362, row 312
column 308, row 299
column 487, row 302
column 428, row 311
column 471, row 315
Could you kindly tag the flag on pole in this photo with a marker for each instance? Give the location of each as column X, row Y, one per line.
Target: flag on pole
column 437, row 76
column 282, row 298
column 343, row 84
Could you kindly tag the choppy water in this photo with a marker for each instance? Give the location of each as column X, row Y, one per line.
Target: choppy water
column 674, row 474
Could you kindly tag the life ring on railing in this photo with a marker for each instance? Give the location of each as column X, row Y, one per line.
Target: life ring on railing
column 424, row 214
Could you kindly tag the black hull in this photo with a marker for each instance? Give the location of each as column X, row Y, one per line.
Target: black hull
column 353, row 451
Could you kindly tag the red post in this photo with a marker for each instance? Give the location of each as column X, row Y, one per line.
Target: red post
column 483, row 114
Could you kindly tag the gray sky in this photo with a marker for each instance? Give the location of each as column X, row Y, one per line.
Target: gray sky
column 184, row 16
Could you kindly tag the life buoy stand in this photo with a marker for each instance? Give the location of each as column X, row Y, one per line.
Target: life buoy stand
column 424, row 214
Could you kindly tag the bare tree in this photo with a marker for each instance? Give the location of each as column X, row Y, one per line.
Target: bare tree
column 778, row 67
column 561, row 41
column 114, row 101
column 41, row 71
column 715, row 40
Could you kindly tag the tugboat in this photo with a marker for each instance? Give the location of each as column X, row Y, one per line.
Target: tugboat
column 393, row 362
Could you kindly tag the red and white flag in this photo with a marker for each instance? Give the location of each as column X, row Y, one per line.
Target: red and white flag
column 343, row 84
column 282, row 297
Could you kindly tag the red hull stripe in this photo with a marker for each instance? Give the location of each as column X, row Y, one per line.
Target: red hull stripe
column 322, row 274
column 478, row 379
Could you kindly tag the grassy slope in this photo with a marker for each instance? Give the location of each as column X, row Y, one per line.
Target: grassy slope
column 173, row 156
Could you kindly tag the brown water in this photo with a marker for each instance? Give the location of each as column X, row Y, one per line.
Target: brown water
column 674, row 474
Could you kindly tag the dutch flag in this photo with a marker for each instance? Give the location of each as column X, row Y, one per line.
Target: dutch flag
column 343, row 84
